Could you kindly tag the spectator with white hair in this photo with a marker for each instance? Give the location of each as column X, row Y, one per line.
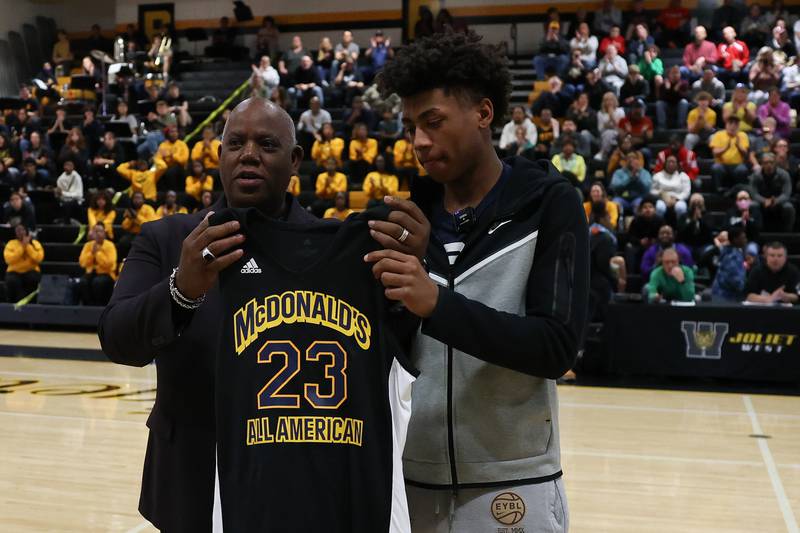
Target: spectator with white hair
column 613, row 68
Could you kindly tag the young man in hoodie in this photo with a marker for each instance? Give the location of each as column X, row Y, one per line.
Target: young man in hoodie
column 503, row 296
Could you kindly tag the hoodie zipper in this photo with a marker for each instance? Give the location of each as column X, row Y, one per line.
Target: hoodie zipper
column 450, row 437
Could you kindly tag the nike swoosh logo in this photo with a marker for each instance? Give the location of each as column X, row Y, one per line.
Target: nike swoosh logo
column 498, row 226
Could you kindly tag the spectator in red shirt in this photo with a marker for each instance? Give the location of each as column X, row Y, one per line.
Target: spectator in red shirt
column 638, row 126
column 673, row 22
column 734, row 55
column 698, row 54
column 615, row 38
column 687, row 159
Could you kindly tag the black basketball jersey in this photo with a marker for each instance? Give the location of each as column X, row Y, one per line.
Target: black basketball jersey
column 313, row 391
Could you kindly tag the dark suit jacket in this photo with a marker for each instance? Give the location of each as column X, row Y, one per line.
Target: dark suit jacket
column 142, row 324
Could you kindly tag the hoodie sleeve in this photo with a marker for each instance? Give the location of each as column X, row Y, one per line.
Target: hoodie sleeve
column 546, row 340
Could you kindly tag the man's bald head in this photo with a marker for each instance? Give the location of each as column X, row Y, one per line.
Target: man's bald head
column 258, row 156
column 274, row 111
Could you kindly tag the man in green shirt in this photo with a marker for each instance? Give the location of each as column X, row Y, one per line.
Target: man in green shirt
column 671, row 281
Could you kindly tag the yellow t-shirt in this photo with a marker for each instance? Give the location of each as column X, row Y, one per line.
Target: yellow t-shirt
column 163, row 211
column 195, row 187
column 322, row 151
column 710, row 115
column 327, row 189
column 369, row 148
column 377, row 185
column 22, row 259
column 209, row 156
column 335, row 213
column 731, row 155
column 96, row 216
column 102, row 262
column 143, row 181
column 145, row 214
column 294, row 186
column 744, row 126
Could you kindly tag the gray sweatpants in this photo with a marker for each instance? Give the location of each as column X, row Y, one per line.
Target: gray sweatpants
column 539, row 508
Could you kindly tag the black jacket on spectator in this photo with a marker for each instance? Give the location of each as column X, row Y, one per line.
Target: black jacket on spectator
column 558, row 47
column 584, row 121
column 642, row 227
column 752, row 228
column 558, row 103
column 761, row 278
column 93, row 133
column 694, row 233
column 142, row 324
column 80, row 158
column 302, row 75
column 638, row 89
column 596, row 91
column 24, row 216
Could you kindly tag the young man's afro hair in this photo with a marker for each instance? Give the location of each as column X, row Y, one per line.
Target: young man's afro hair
column 454, row 62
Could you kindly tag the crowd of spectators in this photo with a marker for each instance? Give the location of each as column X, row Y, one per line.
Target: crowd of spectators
column 607, row 92
column 612, row 83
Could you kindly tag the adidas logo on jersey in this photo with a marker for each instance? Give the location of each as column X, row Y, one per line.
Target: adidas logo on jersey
column 251, row 268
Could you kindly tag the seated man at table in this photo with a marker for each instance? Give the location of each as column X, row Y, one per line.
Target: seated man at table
column 775, row 282
column 671, row 281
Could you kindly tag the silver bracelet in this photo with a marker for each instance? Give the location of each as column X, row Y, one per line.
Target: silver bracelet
column 180, row 299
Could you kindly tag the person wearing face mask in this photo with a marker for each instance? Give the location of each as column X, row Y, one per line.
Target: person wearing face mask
column 748, row 216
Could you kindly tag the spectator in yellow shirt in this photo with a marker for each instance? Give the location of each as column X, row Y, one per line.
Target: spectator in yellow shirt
column 174, row 153
column 379, row 183
column 207, row 150
column 132, row 221
column 406, row 163
column 363, row 151
column 23, row 256
column 339, row 210
column 730, row 147
column 170, row 207
column 701, row 121
column 101, row 211
column 327, row 147
column 328, row 184
column 197, row 182
column 294, row 185
column 143, row 178
column 99, row 259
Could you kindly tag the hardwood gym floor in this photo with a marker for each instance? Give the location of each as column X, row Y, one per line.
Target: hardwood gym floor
column 72, row 440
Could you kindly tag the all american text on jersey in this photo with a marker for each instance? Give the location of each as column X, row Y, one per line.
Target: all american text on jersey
column 299, row 307
column 305, row 429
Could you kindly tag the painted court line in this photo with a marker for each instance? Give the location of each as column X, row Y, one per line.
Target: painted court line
column 772, row 470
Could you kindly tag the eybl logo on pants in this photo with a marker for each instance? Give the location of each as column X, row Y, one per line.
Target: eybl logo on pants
column 704, row 339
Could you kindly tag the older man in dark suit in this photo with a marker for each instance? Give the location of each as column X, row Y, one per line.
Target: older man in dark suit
column 165, row 308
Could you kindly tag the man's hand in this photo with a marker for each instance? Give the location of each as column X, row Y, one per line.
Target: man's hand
column 780, row 295
column 678, row 274
column 196, row 276
column 405, row 280
column 405, row 215
column 769, row 202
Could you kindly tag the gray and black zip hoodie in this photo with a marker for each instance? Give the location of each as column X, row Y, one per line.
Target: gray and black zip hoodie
column 509, row 320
